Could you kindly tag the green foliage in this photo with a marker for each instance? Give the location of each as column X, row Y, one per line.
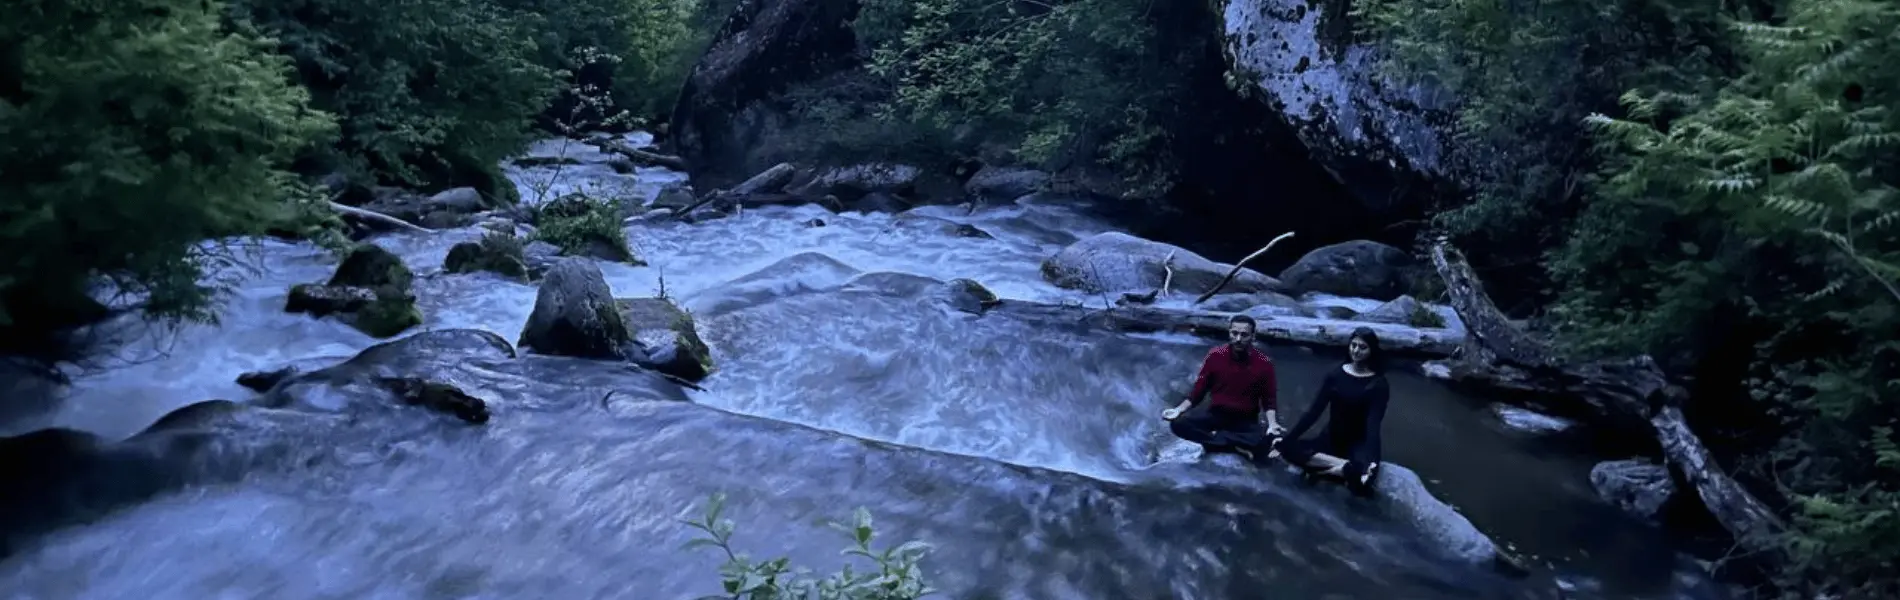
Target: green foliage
column 131, row 130
column 636, row 52
column 1525, row 76
column 1777, row 193
column 1062, row 83
column 896, row 572
column 584, row 225
column 430, row 93
column 1423, row 316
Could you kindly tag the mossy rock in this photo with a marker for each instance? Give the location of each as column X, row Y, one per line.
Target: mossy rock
column 966, row 295
column 387, row 316
column 574, row 315
column 321, row 300
column 670, row 336
column 437, row 396
column 495, row 253
column 371, row 266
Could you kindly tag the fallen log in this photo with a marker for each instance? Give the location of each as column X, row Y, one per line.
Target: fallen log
column 1499, row 355
column 374, row 217
column 1307, row 331
column 638, row 156
column 769, row 182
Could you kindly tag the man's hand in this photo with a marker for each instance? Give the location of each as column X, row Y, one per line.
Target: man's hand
column 1274, row 429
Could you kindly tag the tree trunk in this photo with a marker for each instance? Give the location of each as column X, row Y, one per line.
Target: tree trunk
column 1500, row 356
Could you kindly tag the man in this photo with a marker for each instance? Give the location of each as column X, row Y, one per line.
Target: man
column 1242, row 413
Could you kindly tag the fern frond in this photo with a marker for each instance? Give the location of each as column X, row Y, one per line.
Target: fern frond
column 1863, row 142
column 1729, row 184
column 1832, row 287
column 1795, row 207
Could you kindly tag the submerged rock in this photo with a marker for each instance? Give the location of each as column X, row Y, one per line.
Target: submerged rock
column 964, row 295
column 371, row 290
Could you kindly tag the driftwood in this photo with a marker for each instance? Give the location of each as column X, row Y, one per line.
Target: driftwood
column 374, row 217
column 638, row 156
column 1500, row 356
column 763, row 188
column 1240, row 265
column 1400, row 339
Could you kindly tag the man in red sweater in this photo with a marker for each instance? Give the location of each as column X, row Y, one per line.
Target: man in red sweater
column 1242, row 413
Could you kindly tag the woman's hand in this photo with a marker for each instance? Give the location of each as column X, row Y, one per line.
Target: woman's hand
column 1170, row 414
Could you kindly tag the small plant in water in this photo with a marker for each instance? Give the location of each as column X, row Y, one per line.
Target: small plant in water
column 895, row 574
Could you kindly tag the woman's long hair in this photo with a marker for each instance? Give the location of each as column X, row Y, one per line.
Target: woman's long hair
column 1375, row 356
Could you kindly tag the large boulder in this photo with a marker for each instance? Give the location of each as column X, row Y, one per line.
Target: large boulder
column 1117, row 262
column 1359, row 269
column 496, row 253
column 575, row 315
column 730, row 101
column 371, row 291
column 1333, row 90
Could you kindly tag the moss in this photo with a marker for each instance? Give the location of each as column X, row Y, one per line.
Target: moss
column 581, row 225
column 370, row 266
column 496, row 253
column 655, row 312
column 1424, row 317
column 387, row 316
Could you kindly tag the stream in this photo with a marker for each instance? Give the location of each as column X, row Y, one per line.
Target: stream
column 1031, row 457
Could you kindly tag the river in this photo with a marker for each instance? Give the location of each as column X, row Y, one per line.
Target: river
column 1031, row 456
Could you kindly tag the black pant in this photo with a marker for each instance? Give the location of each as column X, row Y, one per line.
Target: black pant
column 1218, row 431
column 1299, row 452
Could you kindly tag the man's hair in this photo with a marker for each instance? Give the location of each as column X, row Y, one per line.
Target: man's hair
column 1251, row 324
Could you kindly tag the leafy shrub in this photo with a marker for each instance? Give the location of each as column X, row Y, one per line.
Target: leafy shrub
column 895, row 573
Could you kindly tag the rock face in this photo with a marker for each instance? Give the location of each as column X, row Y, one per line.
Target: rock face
column 727, row 103
column 1117, row 262
column 575, row 315
column 371, row 290
column 1373, row 134
column 1359, row 269
column 1637, row 486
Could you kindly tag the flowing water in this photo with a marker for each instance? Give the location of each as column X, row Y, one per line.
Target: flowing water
column 1028, row 452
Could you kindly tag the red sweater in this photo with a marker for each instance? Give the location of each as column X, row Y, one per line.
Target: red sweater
column 1237, row 386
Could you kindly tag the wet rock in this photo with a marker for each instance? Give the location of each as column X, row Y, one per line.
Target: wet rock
column 1404, row 310
column 1256, row 304
column 539, row 256
column 815, row 222
column 1004, row 184
column 574, row 315
column 371, row 290
column 669, row 336
column 730, row 101
column 676, row 196
column 891, row 283
column 1117, row 262
column 499, row 254
column 437, row 396
column 1406, row 498
column 940, row 226
column 263, row 381
column 1359, row 269
column 449, row 208
column 1528, row 421
column 968, row 296
column 1637, row 486
column 878, row 202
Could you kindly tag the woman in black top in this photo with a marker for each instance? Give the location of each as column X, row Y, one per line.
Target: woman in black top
column 1357, row 393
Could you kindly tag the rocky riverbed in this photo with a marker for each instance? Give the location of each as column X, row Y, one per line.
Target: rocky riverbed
column 984, row 377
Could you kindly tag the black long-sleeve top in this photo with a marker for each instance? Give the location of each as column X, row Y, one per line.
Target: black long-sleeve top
column 1358, row 405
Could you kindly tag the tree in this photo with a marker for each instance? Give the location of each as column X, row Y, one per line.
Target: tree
column 130, row 131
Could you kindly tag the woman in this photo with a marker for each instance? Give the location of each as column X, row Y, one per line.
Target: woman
column 1357, row 394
